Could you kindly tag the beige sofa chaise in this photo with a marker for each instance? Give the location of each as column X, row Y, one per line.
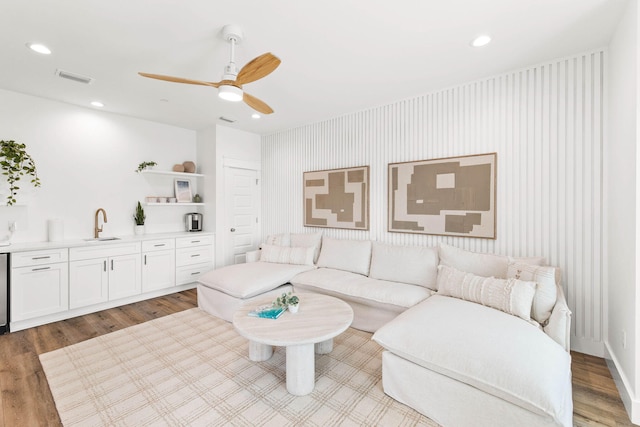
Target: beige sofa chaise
column 469, row 339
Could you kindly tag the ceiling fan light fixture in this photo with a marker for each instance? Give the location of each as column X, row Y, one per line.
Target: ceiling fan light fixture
column 230, row 93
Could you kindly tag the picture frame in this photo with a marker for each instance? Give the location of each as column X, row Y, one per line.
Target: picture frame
column 452, row 196
column 183, row 190
column 337, row 198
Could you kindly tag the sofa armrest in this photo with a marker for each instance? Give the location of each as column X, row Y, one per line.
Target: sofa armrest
column 253, row 256
column 559, row 325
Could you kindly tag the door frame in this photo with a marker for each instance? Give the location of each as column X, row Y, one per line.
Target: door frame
column 222, row 242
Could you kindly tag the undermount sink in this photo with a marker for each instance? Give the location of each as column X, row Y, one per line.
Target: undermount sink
column 101, row 239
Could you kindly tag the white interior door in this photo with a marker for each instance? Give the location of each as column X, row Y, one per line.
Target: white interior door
column 242, row 211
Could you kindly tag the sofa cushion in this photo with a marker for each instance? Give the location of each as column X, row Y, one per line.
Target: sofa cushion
column 347, row 255
column 416, row 265
column 485, row 348
column 480, row 264
column 360, row 288
column 512, row 296
column 306, row 240
column 546, row 292
column 287, row 255
column 250, row 279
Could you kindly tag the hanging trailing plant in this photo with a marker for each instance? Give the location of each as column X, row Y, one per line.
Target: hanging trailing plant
column 15, row 164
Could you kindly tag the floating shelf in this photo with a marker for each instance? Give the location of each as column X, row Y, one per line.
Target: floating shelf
column 173, row 204
column 171, row 173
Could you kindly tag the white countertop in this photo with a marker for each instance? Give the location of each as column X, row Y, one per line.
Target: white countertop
column 73, row 243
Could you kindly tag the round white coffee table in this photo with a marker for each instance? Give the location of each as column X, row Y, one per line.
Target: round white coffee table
column 311, row 330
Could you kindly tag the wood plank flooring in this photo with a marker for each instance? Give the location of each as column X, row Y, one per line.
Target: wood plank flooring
column 25, row 399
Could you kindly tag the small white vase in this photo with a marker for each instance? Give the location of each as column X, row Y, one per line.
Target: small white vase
column 139, row 230
column 293, row 308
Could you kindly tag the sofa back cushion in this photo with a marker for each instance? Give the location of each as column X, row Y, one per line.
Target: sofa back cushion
column 512, row 296
column 282, row 239
column 415, row 265
column 287, row 255
column 480, row 264
column 347, row 255
column 546, row 293
column 307, row 240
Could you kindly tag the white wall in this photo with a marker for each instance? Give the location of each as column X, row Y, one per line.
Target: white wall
column 545, row 123
column 621, row 184
column 86, row 160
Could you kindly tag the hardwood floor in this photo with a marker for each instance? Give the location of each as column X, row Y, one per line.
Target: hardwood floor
column 25, row 399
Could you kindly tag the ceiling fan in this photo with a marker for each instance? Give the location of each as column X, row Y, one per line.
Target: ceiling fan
column 230, row 87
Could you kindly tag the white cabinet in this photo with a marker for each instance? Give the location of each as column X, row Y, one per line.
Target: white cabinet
column 158, row 264
column 101, row 273
column 39, row 286
column 194, row 257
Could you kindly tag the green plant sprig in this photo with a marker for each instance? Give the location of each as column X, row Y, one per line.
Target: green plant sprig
column 142, row 166
column 286, row 300
column 139, row 216
column 16, row 163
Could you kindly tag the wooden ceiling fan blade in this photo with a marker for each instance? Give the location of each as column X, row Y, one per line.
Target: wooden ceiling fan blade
column 179, row 80
column 258, row 68
column 256, row 104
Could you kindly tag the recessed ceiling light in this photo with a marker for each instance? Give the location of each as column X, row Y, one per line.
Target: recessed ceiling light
column 480, row 41
column 40, row 48
column 97, row 104
column 255, row 116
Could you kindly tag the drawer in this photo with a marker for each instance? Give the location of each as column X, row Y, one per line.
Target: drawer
column 102, row 251
column 191, row 273
column 192, row 256
column 158, row 245
column 48, row 256
column 196, row 240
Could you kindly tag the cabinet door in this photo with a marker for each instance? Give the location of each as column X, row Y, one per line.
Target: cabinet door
column 38, row 291
column 88, row 282
column 158, row 270
column 124, row 276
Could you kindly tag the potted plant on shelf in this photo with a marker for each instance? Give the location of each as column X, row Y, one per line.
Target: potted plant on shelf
column 16, row 163
column 144, row 165
column 288, row 300
column 139, row 218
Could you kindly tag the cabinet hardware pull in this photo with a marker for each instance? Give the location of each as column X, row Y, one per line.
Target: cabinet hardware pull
column 158, row 245
column 111, row 265
column 41, row 257
column 195, row 272
column 41, row 268
column 195, row 255
column 195, row 241
column 145, row 260
column 105, row 265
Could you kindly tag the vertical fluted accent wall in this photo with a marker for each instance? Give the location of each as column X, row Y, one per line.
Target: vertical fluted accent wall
column 546, row 125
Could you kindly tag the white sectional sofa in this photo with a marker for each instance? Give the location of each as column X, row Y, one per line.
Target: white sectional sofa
column 469, row 339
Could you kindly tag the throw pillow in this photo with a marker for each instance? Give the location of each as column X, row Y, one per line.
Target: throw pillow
column 286, row 255
column 512, row 296
column 282, row 239
column 305, row 240
column 481, row 264
column 546, row 292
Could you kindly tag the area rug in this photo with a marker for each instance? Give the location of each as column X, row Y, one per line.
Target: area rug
column 192, row 369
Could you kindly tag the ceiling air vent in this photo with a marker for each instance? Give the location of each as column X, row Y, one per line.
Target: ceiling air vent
column 226, row 119
column 75, row 77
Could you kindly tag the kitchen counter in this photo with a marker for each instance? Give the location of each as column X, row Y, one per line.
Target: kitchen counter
column 74, row 243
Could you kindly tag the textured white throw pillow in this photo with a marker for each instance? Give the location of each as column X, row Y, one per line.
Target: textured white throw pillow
column 512, row 296
column 486, row 265
column 306, row 240
column 287, row 255
column 546, row 292
column 283, row 239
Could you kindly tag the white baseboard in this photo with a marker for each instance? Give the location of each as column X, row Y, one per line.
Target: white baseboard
column 630, row 401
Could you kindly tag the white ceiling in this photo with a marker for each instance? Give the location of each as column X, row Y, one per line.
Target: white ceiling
column 338, row 56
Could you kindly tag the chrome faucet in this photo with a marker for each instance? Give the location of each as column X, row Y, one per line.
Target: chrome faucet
column 96, row 230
